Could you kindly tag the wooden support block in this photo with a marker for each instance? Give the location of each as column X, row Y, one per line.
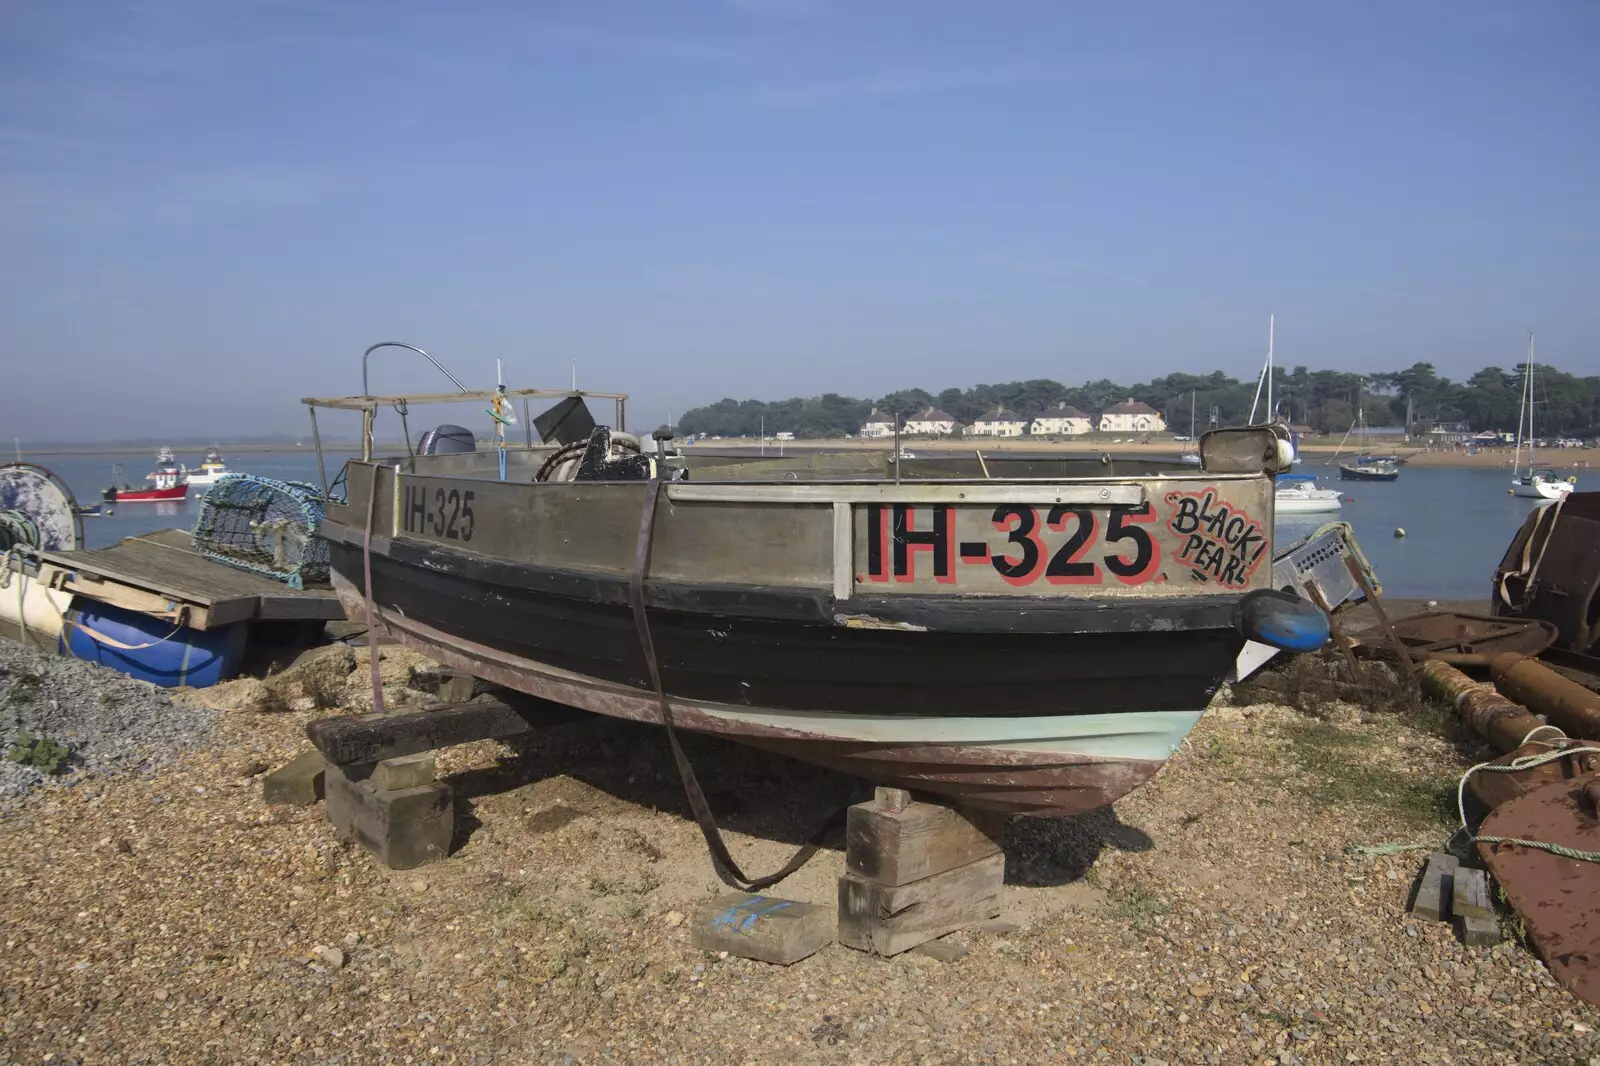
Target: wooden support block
column 1435, row 888
column 370, row 738
column 891, row 799
column 943, row 950
column 1469, row 898
column 764, row 928
column 887, row 920
column 456, row 687
column 402, row 829
column 1478, row 932
column 298, row 782
column 405, row 771
column 896, row 847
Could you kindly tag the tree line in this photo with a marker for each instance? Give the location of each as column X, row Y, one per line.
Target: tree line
column 1325, row 400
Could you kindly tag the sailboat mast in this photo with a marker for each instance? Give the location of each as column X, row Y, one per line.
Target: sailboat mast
column 1530, row 402
column 1271, row 320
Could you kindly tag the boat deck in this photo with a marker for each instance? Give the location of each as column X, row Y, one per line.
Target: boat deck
column 161, row 573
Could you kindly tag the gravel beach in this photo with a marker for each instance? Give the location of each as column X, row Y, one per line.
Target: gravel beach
column 1225, row 913
column 107, row 721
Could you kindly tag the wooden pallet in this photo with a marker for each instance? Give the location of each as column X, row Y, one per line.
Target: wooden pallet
column 161, row 574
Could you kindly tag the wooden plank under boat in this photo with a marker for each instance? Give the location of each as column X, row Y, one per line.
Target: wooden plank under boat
column 1037, row 644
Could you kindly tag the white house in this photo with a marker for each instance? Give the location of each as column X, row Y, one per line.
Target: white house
column 878, row 424
column 998, row 423
column 932, row 422
column 1131, row 416
column 1061, row 421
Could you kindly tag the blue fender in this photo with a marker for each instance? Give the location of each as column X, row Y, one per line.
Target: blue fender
column 1281, row 620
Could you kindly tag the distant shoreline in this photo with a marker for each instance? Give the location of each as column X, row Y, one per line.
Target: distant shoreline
column 1567, row 459
column 1563, row 459
column 29, row 454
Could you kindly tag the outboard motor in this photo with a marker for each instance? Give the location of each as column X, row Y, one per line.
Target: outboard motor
column 447, row 440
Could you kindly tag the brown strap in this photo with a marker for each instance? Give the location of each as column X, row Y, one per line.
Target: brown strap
column 727, row 870
column 366, row 582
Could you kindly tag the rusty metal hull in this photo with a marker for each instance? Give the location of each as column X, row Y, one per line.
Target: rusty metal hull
column 1555, row 895
column 1009, row 771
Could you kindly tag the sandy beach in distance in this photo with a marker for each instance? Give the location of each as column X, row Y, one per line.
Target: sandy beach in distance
column 1556, row 458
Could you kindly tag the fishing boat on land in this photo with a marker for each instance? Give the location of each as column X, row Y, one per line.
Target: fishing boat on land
column 1299, row 494
column 1539, row 483
column 1037, row 644
column 167, row 482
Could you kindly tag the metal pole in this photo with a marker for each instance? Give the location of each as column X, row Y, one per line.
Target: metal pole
column 622, row 415
column 316, row 442
column 897, row 449
column 527, row 423
column 365, row 391
column 366, row 433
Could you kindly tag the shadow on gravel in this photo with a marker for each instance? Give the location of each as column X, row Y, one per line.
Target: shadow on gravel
column 615, row 763
column 1041, row 852
column 750, row 791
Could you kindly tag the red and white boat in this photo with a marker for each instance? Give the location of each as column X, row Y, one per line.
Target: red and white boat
column 169, row 480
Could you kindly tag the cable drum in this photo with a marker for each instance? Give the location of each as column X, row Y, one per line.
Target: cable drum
column 37, row 510
column 264, row 526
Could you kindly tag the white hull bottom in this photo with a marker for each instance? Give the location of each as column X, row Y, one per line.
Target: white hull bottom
column 1293, row 505
column 1541, row 490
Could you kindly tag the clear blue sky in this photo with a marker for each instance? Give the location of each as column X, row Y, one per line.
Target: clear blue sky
column 209, row 207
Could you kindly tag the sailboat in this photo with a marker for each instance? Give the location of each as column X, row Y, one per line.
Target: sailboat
column 1270, row 412
column 1538, row 483
column 1367, row 467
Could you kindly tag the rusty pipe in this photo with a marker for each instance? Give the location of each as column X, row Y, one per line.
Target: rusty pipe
column 1493, row 717
column 1564, row 703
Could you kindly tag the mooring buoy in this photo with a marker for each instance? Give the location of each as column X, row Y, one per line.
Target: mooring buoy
column 1398, row 532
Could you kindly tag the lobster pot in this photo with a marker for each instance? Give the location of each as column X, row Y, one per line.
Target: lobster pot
column 264, row 526
column 149, row 648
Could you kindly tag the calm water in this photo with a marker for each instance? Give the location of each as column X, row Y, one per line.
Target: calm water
column 1457, row 521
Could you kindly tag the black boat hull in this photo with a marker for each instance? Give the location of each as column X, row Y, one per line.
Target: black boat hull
column 1049, row 712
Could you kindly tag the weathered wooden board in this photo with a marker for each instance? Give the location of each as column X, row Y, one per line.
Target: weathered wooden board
column 1436, row 887
column 402, row 829
column 370, row 738
column 895, row 847
column 159, row 572
column 765, row 928
column 887, row 920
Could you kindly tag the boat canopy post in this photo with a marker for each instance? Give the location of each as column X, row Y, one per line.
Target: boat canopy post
column 316, row 442
column 365, row 391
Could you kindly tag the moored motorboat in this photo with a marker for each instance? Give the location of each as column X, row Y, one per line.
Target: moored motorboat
column 1299, row 494
column 212, row 469
column 1037, row 644
column 168, row 482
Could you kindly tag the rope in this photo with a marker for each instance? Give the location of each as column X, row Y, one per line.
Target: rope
column 1543, row 845
column 14, row 563
column 1374, row 851
column 17, row 530
column 101, row 638
column 1524, row 762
